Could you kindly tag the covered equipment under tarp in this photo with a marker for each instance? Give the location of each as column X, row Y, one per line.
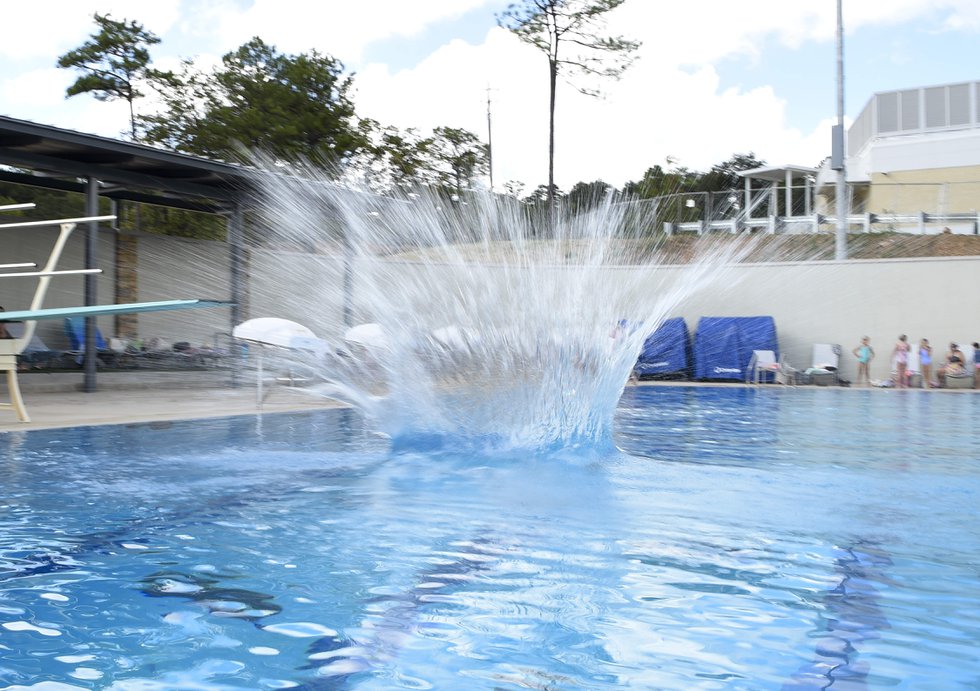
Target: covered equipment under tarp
column 723, row 346
column 666, row 352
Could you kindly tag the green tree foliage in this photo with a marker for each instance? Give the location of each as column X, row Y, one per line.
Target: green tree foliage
column 570, row 34
column 458, row 157
column 48, row 203
column 289, row 106
column 542, row 194
column 394, row 160
column 162, row 220
column 450, row 159
column 113, row 62
column 656, row 182
column 680, row 194
column 724, row 176
column 585, row 196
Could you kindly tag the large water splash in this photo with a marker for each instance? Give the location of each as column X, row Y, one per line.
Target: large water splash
column 487, row 324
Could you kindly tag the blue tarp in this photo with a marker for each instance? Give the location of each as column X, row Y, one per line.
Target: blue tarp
column 666, row 353
column 723, row 345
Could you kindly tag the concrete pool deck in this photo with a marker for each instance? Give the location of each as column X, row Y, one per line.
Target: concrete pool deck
column 55, row 399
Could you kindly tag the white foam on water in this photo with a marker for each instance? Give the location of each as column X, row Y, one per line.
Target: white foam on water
column 480, row 323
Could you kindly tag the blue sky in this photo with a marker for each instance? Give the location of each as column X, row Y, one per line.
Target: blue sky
column 714, row 77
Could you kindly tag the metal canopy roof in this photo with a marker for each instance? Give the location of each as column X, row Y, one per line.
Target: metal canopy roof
column 127, row 170
column 777, row 173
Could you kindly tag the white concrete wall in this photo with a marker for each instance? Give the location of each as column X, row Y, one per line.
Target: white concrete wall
column 181, row 269
column 831, row 302
column 812, row 302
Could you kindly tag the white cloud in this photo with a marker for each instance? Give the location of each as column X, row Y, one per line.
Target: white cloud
column 658, row 109
column 670, row 103
column 43, row 88
column 49, row 28
column 42, row 93
column 342, row 30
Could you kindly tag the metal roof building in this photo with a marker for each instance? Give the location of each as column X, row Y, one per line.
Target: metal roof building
column 103, row 167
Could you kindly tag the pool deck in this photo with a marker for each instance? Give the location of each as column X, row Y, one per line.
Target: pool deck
column 55, row 399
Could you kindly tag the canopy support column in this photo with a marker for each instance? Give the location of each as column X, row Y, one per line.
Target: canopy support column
column 236, row 241
column 91, row 290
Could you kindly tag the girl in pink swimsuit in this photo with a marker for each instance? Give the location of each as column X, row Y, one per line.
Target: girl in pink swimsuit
column 900, row 356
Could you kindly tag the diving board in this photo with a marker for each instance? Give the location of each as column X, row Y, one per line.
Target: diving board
column 102, row 310
column 10, row 348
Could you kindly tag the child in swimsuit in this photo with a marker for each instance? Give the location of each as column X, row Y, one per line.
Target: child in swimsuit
column 925, row 362
column 976, row 364
column 864, row 354
column 900, row 356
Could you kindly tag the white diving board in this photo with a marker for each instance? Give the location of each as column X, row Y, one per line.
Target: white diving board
column 101, row 310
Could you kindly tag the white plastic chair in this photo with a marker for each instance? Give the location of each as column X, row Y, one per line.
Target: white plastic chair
column 826, row 357
column 276, row 334
column 764, row 362
column 761, row 363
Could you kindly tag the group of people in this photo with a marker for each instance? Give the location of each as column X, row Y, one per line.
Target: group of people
column 952, row 365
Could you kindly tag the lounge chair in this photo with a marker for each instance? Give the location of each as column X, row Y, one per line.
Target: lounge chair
column 76, row 333
column 763, row 363
column 271, row 334
column 959, row 381
column 36, row 354
column 825, row 364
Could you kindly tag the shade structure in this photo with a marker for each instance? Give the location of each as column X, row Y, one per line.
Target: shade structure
column 370, row 335
column 454, row 337
column 272, row 331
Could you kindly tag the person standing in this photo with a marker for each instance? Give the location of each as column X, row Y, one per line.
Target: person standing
column 925, row 362
column 864, row 354
column 976, row 365
column 900, row 356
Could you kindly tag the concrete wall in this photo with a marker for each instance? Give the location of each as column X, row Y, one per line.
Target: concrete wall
column 831, row 302
column 812, row 302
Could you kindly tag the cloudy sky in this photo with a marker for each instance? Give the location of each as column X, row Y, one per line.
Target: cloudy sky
column 713, row 78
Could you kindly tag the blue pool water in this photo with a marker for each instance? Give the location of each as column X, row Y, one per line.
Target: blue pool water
column 745, row 539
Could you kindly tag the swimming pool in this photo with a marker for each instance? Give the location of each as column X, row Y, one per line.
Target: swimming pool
column 747, row 539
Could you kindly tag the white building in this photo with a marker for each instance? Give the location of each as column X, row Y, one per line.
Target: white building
column 912, row 165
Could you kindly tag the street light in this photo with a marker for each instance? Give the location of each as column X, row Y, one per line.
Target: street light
column 837, row 147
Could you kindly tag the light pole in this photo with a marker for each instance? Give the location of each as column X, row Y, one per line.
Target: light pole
column 837, row 146
column 489, row 141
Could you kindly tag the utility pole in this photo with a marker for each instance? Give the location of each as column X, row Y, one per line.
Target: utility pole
column 837, row 146
column 489, row 140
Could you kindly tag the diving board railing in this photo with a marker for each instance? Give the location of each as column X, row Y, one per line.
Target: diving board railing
column 17, row 207
column 10, row 348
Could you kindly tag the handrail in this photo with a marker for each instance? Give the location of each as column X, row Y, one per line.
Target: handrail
column 17, row 207
column 59, row 221
column 44, row 279
column 64, row 272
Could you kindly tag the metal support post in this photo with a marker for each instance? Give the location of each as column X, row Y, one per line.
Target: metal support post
column 91, row 287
